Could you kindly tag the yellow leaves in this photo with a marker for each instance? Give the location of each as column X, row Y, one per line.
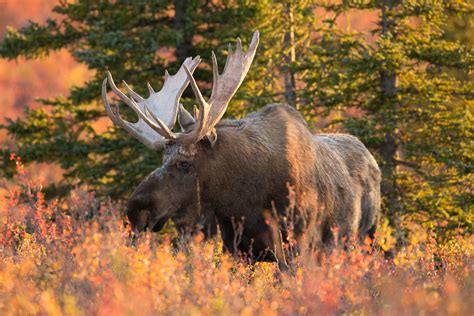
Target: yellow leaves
column 52, row 264
column 386, row 236
column 71, row 306
column 218, row 303
column 48, row 304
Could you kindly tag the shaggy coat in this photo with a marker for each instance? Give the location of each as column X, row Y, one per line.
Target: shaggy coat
column 262, row 169
column 333, row 179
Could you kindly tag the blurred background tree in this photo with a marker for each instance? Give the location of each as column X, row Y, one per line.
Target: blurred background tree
column 404, row 87
column 136, row 41
column 413, row 86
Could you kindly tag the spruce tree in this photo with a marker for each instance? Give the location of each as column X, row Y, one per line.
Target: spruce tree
column 404, row 87
column 136, row 41
column 415, row 113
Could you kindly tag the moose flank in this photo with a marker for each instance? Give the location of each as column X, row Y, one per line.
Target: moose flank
column 241, row 173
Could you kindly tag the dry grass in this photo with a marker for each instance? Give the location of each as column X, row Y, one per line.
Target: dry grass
column 76, row 258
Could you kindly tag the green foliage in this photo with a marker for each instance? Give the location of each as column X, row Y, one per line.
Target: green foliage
column 136, row 41
column 408, row 81
column 417, row 115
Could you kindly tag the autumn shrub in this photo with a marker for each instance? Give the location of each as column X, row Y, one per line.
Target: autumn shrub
column 76, row 257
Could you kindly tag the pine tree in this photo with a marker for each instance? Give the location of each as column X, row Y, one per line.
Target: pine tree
column 404, row 87
column 416, row 115
column 136, row 41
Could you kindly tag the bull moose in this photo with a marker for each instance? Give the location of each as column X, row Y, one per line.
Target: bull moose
column 241, row 172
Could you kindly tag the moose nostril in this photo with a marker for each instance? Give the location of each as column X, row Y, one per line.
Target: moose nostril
column 138, row 219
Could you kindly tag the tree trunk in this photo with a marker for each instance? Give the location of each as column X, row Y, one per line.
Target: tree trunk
column 290, row 57
column 184, row 45
column 390, row 150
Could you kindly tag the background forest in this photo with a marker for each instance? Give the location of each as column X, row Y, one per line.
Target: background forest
column 401, row 81
column 397, row 74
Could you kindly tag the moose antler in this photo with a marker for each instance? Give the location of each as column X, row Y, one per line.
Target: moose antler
column 223, row 89
column 156, row 122
column 160, row 107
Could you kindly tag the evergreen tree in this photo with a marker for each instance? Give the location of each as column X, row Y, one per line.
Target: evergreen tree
column 416, row 115
column 136, row 41
column 404, row 88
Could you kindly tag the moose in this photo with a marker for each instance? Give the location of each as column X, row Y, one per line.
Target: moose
column 245, row 174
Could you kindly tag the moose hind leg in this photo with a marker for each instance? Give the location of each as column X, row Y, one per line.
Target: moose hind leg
column 370, row 215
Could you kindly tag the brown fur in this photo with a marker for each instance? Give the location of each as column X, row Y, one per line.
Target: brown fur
column 334, row 179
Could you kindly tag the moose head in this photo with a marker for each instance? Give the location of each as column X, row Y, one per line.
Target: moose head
column 173, row 190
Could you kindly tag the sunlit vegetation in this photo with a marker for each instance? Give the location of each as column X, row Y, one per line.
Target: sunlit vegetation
column 77, row 258
column 396, row 74
column 22, row 80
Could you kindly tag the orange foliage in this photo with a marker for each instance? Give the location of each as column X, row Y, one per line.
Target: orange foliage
column 22, row 81
column 77, row 258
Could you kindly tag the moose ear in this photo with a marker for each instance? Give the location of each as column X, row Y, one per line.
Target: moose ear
column 212, row 137
column 185, row 119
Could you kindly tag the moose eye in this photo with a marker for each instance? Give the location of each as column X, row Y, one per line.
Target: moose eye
column 183, row 166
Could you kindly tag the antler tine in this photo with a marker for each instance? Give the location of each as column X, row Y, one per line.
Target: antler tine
column 195, row 88
column 129, row 127
column 202, row 115
column 120, row 118
column 132, row 93
column 224, row 87
column 115, row 115
column 158, row 126
column 229, row 55
column 117, row 91
column 150, row 88
column 107, row 106
column 254, row 42
column 215, row 73
column 238, row 47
